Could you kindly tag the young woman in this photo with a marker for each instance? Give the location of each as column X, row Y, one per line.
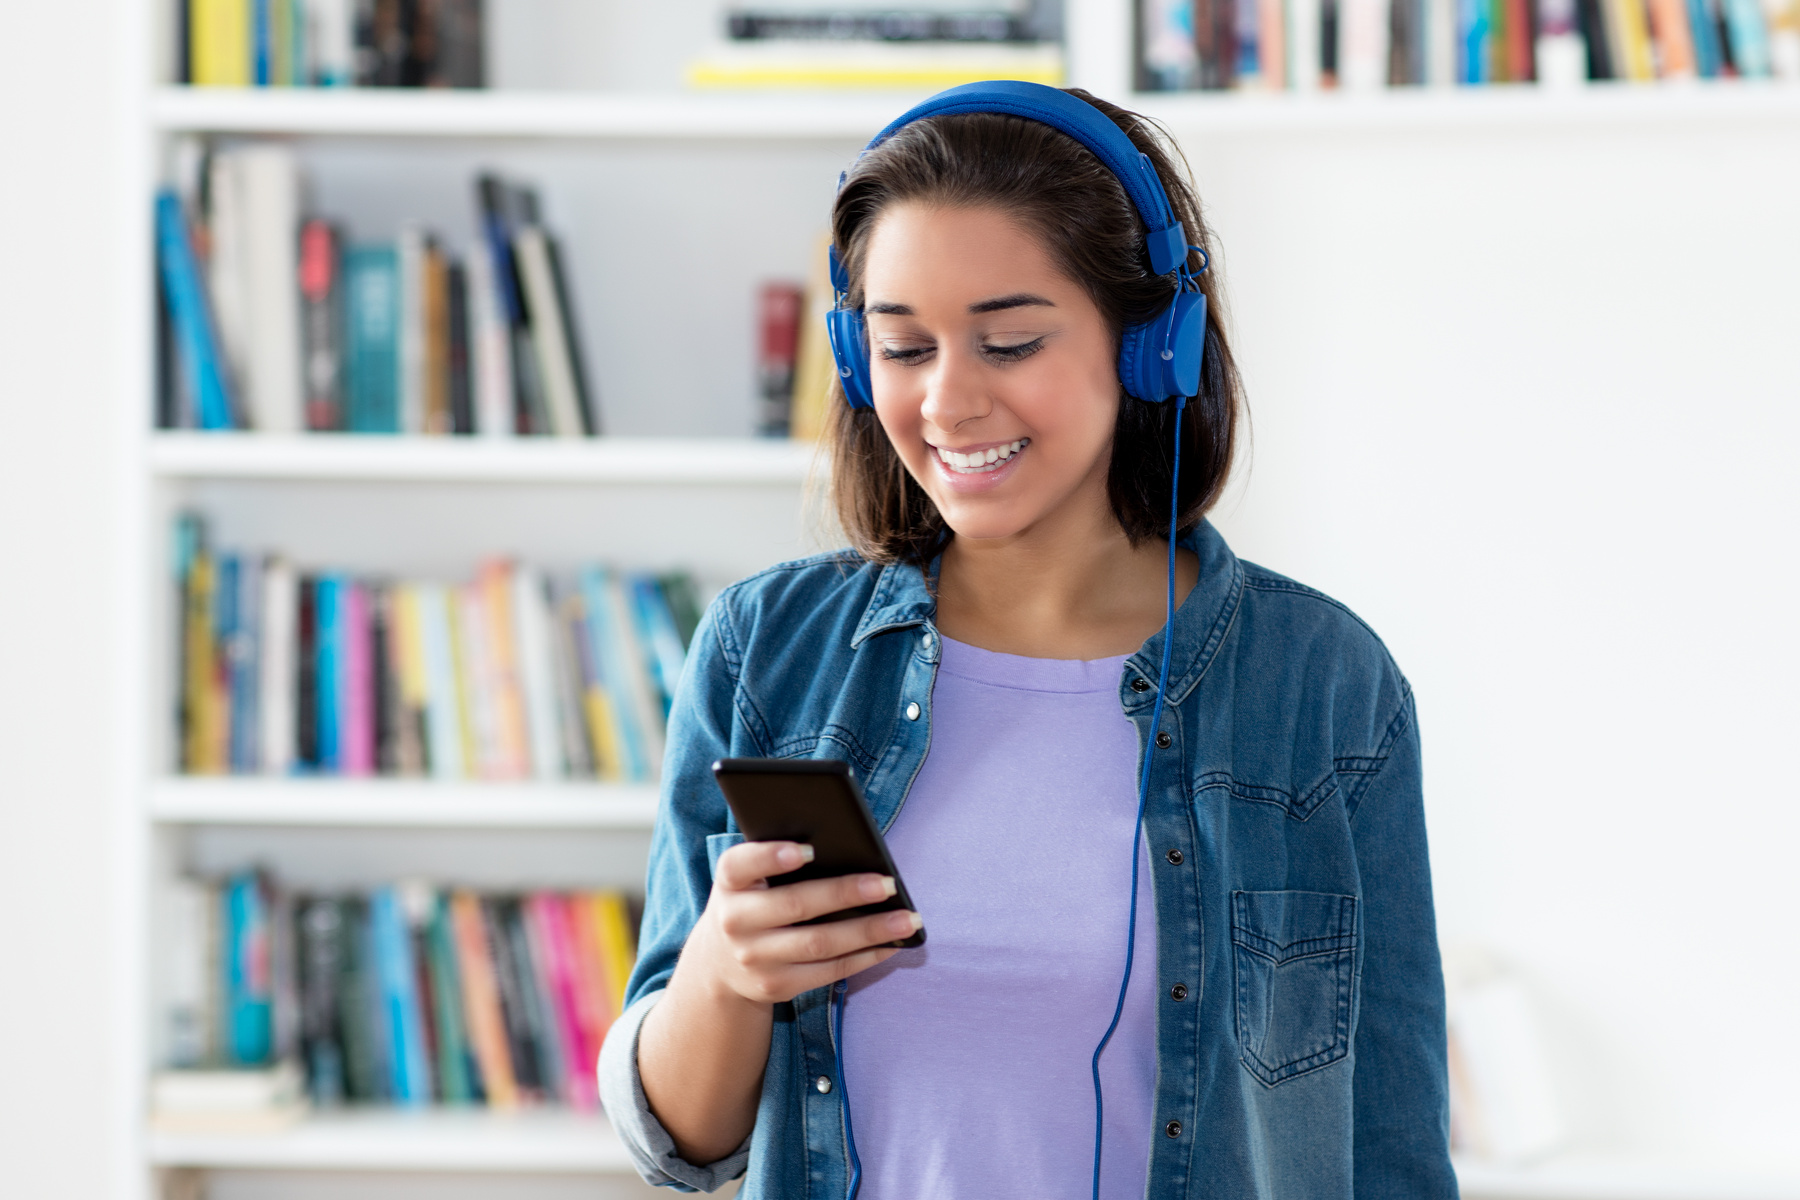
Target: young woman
column 988, row 661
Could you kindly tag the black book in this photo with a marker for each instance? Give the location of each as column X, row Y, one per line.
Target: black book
column 539, row 1007
column 584, row 392
column 462, row 398
column 381, row 42
column 514, row 1006
column 1590, row 16
column 321, row 941
column 306, row 675
column 363, row 1075
column 460, row 54
column 531, row 415
column 1215, row 42
column 385, row 686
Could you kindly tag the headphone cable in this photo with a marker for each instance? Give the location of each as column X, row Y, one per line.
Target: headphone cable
column 1137, row 829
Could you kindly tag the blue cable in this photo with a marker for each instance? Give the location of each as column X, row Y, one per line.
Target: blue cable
column 1137, row 829
column 837, row 1028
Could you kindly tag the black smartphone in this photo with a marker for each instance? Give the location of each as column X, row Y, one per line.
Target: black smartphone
column 816, row 801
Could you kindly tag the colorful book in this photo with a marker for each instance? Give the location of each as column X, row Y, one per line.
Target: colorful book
column 219, row 32
column 481, row 1001
column 409, row 1067
column 200, row 355
column 553, row 953
column 454, row 1056
column 322, row 325
column 512, row 737
column 372, row 339
column 358, row 702
column 1675, row 50
column 443, row 705
column 329, row 686
column 249, row 992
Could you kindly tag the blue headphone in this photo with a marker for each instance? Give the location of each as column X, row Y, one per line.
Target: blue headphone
column 1159, row 359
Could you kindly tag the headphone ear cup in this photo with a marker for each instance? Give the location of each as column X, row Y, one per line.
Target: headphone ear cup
column 1160, row 359
column 850, row 350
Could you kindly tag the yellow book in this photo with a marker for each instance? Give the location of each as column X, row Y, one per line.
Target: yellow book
column 207, row 706
column 1632, row 40
column 603, row 728
column 459, row 658
column 496, row 583
column 814, row 368
column 616, row 941
column 219, row 42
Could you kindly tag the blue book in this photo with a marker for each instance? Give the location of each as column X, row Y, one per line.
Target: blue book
column 1708, row 56
column 1472, row 26
column 659, row 637
column 399, row 975
column 1749, row 36
column 262, row 37
column 328, row 610
column 249, row 993
column 196, row 336
column 372, row 339
column 381, row 1048
column 613, row 665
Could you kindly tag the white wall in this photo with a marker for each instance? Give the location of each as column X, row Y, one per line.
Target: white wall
column 58, row 587
column 1525, row 398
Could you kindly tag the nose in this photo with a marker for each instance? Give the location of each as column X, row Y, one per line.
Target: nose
column 956, row 390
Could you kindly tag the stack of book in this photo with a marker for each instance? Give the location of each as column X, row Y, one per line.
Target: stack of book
column 1304, row 45
column 408, row 995
column 272, row 320
column 513, row 675
column 921, row 45
column 329, row 43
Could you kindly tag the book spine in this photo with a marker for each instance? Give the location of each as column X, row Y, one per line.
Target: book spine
column 372, row 283
column 476, row 672
column 245, row 659
column 306, row 676
column 618, row 942
column 547, row 337
column 534, row 979
column 321, row 975
column 409, row 1068
column 537, row 672
column 580, row 756
column 593, row 987
column 413, row 736
column 249, row 991
column 195, row 333
column 220, row 37
column 1707, row 57
column 410, row 251
column 261, row 41
column 462, row 397
column 359, row 681
column 552, row 948
column 635, row 674
column 1674, row 39
column 443, row 705
column 513, row 972
column 778, row 308
column 453, row 1050
column 587, row 402
column 490, row 347
column 328, row 684
column 609, row 673
column 512, row 738
column 1749, row 38
column 481, row 1002
column 321, row 304
column 280, row 637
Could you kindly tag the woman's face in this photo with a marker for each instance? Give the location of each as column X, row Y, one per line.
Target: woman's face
column 994, row 374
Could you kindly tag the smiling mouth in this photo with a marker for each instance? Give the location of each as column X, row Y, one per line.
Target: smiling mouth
column 980, row 461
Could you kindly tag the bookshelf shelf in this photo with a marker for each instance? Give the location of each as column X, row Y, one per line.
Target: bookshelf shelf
column 374, row 112
column 575, row 115
column 502, row 460
column 403, row 803
column 386, row 1140
column 1592, row 1176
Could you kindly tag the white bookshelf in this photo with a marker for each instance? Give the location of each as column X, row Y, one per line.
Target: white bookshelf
column 437, row 1141
column 402, row 803
column 326, row 457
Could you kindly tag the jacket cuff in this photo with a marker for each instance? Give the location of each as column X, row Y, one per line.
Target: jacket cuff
column 651, row 1148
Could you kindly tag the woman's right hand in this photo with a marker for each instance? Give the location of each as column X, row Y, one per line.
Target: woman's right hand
column 754, row 948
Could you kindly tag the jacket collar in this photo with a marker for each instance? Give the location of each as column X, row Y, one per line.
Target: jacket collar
column 902, row 601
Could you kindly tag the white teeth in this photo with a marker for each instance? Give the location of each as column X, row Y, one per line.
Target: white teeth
column 981, row 460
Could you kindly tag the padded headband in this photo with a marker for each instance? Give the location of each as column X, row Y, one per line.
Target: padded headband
column 1166, row 240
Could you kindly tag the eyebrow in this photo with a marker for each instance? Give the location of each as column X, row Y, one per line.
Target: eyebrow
column 997, row 304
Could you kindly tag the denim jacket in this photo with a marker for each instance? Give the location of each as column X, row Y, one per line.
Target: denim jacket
column 1300, row 1020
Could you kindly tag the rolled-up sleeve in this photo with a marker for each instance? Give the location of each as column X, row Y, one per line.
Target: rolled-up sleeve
column 678, row 881
column 651, row 1148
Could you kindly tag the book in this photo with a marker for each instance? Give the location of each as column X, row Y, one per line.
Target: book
column 530, row 414
column 490, row 347
column 549, row 333
column 834, row 64
column 329, row 673
column 443, row 704
column 1675, row 56
column 358, row 703
column 1630, row 33
column 1748, row 37
column 268, row 256
column 200, row 355
column 322, row 953
column 1168, row 57
column 249, row 993
column 191, row 910
column 219, row 36
column 815, row 371
column 456, row 349
column 481, row 1001
column 434, row 319
column 514, row 1002
column 409, row 1068
column 456, row 1082
column 277, row 682
column 322, row 322
column 372, row 339
column 409, row 264
column 778, row 307
column 231, row 1102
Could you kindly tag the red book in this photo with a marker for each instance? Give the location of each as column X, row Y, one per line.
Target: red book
column 778, row 315
column 321, row 326
column 549, row 923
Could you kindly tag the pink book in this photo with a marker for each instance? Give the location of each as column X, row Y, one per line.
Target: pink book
column 357, row 739
column 580, row 1062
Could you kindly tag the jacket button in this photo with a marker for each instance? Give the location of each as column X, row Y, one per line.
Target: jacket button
column 912, row 711
column 1178, row 992
column 1140, row 685
column 1164, row 741
column 1175, row 857
column 823, row 1083
column 1173, row 1129
column 925, row 639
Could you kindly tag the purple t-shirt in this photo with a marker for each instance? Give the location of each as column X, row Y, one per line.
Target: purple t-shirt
column 967, row 1060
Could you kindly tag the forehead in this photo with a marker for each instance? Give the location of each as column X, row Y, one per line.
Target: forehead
column 954, row 252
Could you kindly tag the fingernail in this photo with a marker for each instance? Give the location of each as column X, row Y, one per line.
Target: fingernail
column 793, row 856
column 876, row 887
column 904, row 922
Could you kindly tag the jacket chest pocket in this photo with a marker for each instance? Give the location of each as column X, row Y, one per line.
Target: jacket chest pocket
column 1294, row 954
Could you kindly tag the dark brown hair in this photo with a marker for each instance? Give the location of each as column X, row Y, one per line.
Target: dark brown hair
column 1060, row 191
